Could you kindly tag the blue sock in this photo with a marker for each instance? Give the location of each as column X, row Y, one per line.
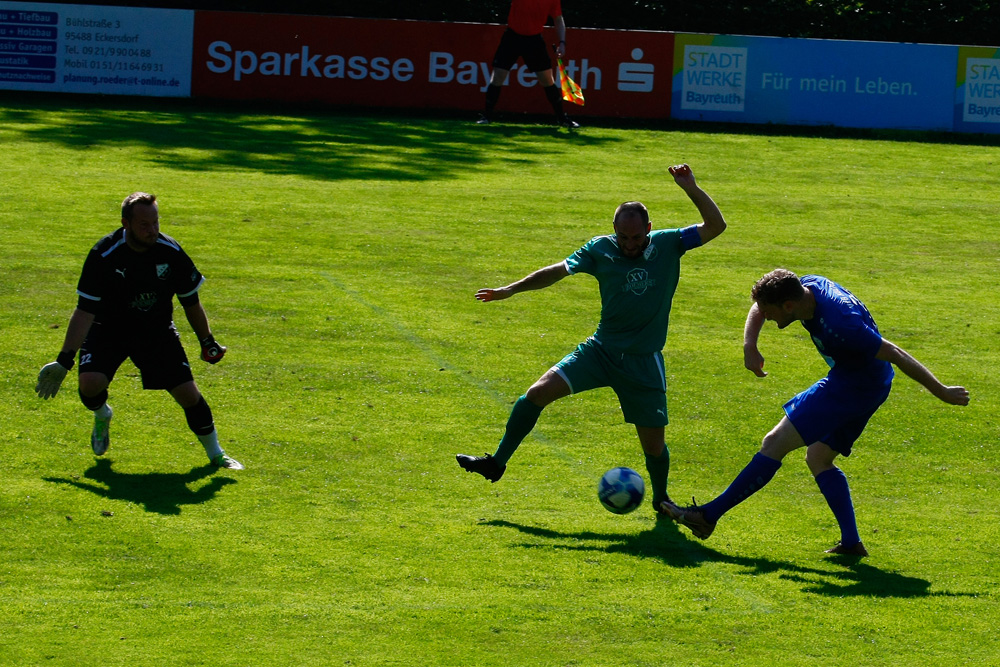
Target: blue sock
column 751, row 479
column 522, row 419
column 833, row 485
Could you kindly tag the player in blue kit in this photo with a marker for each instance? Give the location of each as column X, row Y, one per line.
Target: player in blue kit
column 829, row 416
column 637, row 271
column 125, row 310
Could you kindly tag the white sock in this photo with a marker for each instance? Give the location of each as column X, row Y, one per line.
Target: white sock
column 211, row 444
column 103, row 412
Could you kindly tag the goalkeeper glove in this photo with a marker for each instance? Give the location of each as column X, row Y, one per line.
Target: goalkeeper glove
column 51, row 377
column 211, row 351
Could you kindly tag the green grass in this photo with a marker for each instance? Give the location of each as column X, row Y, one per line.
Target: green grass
column 342, row 254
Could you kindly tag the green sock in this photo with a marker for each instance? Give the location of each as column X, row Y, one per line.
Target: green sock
column 522, row 419
column 658, row 468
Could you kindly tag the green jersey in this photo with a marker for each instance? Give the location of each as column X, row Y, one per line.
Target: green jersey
column 635, row 293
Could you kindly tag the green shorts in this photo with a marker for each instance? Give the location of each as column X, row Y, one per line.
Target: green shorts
column 638, row 380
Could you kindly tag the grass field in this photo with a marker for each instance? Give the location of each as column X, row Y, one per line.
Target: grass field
column 342, row 254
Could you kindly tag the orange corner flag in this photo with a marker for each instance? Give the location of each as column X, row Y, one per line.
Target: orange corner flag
column 570, row 91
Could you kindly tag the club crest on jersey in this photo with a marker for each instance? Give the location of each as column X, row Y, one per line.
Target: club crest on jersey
column 144, row 301
column 162, row 271
column 649, row 253
column 638, row 281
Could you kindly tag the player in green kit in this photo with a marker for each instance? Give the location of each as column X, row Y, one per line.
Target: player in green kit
column 637, row 271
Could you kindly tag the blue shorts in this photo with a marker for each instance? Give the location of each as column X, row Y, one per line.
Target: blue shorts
column 836, row 410
column 637, row 379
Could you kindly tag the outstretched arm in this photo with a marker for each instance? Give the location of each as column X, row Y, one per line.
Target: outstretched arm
column 540, row 279
column 752, row 358
column 713, row 223
column 906, row 363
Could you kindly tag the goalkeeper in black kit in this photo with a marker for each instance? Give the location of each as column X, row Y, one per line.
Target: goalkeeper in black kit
column 125, row 310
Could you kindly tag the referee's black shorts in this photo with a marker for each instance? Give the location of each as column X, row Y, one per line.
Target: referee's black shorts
column 530, row 47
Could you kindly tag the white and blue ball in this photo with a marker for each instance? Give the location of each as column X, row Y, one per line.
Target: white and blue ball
column 621, row 490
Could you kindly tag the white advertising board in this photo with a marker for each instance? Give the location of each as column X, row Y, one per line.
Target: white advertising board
column 95, row 49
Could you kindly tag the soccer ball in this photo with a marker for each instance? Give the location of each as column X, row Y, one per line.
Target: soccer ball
column 620, row 490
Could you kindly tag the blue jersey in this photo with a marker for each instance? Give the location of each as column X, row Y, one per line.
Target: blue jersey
column 636, row 293
column 844, row 332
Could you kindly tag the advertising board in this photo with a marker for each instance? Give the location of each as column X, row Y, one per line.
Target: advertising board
column 977, row 90
column 95, row 49
column 812, row 82
column 371, row 63
column 417, row 64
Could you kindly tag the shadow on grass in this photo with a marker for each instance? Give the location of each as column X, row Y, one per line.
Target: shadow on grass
column 845, row 577
column 314, row 144
column 163, row 493
column 803, row 131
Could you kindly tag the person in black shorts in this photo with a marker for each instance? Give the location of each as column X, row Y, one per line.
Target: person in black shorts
column 125, row 310
column 523, row 39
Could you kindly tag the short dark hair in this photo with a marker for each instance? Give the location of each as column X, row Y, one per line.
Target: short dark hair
column 130, row 202
column 632, row 208
column 777, row 287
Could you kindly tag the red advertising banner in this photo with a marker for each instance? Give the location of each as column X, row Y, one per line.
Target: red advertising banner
column 418, row 64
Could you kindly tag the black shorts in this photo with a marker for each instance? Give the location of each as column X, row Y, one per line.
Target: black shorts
column 158, row 355
column 530, row 47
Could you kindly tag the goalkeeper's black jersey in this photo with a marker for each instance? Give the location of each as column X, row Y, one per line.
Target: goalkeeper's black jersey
column 134, row 290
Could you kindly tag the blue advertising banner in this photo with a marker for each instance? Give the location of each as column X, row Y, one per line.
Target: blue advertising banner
column 744, row 79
